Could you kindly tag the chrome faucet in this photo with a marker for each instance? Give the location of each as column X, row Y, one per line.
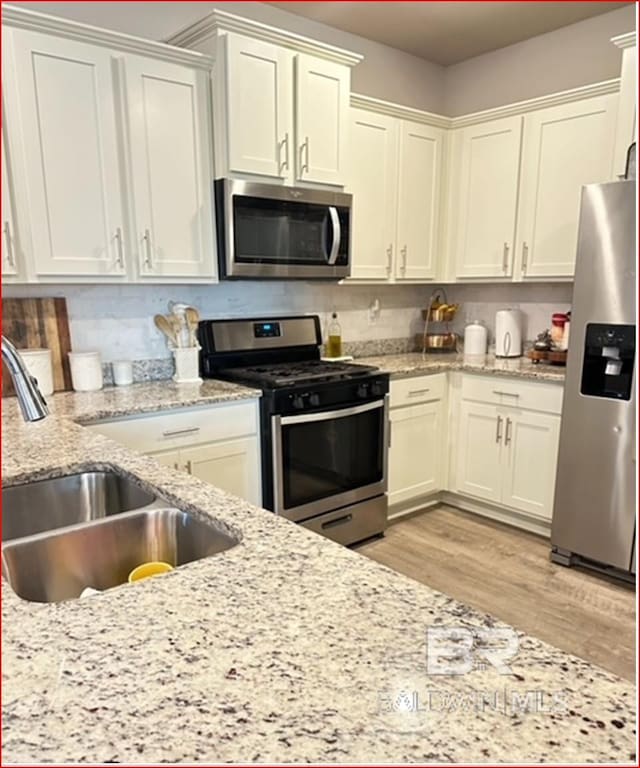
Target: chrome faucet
column 32, row 403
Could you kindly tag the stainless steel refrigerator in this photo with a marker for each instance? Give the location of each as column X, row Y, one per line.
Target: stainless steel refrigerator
column 594, row 517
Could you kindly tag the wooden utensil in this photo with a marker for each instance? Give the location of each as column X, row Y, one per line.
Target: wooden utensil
column 193, row 318
column 165, row 327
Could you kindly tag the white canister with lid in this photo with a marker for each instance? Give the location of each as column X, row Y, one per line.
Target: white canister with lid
column 475, row 339
column 38, row 362
column 86, row 371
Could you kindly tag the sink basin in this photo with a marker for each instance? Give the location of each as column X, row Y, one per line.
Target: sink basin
column 49, row 568
column 45, row 505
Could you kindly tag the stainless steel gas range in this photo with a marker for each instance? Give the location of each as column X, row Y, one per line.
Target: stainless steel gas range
column 324, row 425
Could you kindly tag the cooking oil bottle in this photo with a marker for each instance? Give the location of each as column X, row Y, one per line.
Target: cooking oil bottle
column 334, row 337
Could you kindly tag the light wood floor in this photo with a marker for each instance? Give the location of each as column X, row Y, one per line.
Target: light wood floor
column 507, row 572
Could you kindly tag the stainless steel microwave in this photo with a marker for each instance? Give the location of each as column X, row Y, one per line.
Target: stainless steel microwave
column 266, row 231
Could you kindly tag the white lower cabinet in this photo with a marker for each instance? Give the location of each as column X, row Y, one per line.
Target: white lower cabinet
column 507, row 454
column 217, row 444
column 418, row 439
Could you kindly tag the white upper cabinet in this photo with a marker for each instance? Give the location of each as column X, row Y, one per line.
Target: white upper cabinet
column 9, row 249
column 564, row 148
column 487, row 177
column 258, row 106
column 72, row 169
column 373, row 182
column 420, row 171
column 627, row 106
column 172, row 169
column 322, row 116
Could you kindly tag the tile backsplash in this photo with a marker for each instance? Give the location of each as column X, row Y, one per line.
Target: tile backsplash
column 118, row 320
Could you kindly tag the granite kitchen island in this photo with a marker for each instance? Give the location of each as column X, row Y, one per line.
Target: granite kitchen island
column 285, row 648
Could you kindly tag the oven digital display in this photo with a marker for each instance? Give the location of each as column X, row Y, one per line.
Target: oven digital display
column 266, row 330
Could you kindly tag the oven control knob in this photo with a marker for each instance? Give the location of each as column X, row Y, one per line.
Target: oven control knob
column 314, row 400
column 297, row 402
column 363, row 391
column 377, row 388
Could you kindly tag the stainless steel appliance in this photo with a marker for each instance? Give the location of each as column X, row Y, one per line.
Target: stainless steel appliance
column 267, row 231
column 594, row 520
column 324, row 425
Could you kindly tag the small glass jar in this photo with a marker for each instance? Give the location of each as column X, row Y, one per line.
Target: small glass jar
column 558, row 320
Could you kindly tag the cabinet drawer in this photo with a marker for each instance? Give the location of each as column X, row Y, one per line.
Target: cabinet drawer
column 175, row 429
column 499, row 390
column 418, row 389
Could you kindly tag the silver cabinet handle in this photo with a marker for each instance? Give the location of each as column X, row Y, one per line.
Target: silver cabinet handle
column 8, row 244
column 499, row 429
column 507, row 437
column 508, row 394
column 389, row 258
column 403, row 253
column 178, row 432
column 188, row 467
column 525, row 257
column 304, row 148
column 119, row 252
column 283, row 149
column 505, row 258
column 416, row 392
column 175, row 465
column 148, row 259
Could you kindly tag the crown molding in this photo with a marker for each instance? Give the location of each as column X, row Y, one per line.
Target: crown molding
column 627, row 40
column 21, row 18
column 552, row 100
column 397, row 110
column 220, row 21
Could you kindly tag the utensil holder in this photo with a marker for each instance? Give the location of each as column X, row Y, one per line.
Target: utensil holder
column 187, row 361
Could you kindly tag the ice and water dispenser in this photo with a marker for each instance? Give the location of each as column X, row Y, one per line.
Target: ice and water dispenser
column 609, row 355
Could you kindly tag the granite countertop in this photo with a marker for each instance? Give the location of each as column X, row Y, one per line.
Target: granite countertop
column 413, row 363
column 285, row 648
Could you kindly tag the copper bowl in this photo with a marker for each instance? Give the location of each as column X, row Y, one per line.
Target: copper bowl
column 437, row 342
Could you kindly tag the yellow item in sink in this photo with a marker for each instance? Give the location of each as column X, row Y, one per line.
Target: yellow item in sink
column 146, row 570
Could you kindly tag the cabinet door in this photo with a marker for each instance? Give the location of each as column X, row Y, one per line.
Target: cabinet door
column 322, row 120
column 626, row 114
column 415, row 453
column 9, row 264
column 479, row 452
column 232, row 465
column 168, row 109
column 488, row 171
column 531, row 455
column 65, row 92
column 168, row 458
column 259, row 103
column 373, row 181
column 564, row 148
column 420, row 171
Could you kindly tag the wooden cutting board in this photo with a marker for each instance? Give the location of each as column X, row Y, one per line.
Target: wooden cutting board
column 38, row 323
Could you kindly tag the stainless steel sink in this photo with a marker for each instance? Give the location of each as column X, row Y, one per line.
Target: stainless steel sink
column 59, row 565
column 45, row 505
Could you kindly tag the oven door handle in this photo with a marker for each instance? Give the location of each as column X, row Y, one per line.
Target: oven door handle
column 342, row 413
column 337, row 234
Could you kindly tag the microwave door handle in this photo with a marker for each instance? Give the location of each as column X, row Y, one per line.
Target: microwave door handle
column 337, row 234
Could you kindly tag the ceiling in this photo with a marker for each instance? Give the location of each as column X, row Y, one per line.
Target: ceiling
column 448, row 32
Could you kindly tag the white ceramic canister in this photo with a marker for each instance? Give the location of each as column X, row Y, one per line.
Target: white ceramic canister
column 86, row 371
column 122, row 372
column 38, row 362
column 475, row 339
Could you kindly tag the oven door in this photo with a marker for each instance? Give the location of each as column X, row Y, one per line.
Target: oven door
column 327, row 460
column 283, row 232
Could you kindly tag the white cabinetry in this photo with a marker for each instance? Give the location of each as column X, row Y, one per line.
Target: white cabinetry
column 395, row 176
column 9, row 248
column 281, row 101
column 517, row 181
column 507, row 443
column 172, row 169
column 627, row 106
column 418, row 439
column 111, row 153
column 218, row 444
column 564, row 148
column 489, row 162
